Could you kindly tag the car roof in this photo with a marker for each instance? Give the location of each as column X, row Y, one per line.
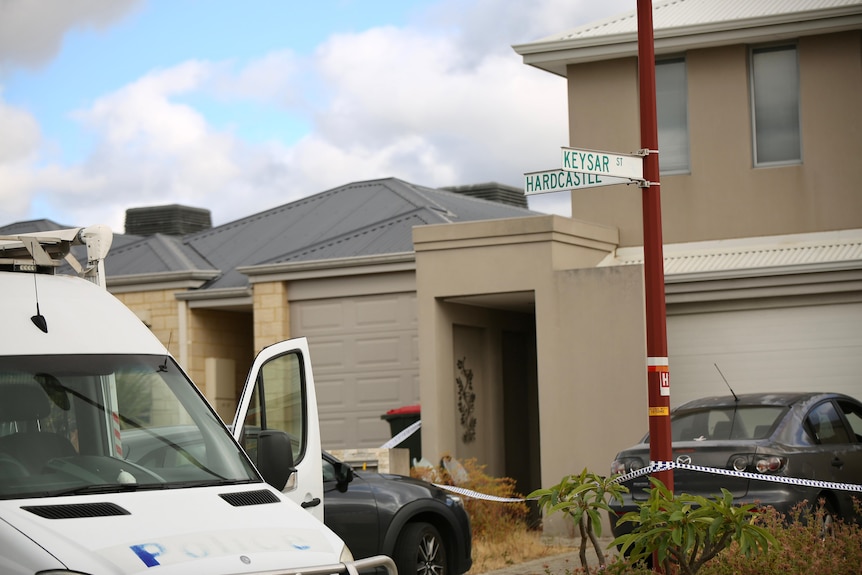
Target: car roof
column 784, row 399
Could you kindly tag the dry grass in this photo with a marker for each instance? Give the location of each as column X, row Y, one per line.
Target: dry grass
column 514, row 548
column 500, row 534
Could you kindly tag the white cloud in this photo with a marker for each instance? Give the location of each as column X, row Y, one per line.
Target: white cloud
column 492, row 121
column 32, row 31
column 438, row 106
column 20, row 133
column 19, row 146
column 275, row 78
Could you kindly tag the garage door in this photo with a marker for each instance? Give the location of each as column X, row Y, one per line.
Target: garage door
column 810, row 348
column 365, row 355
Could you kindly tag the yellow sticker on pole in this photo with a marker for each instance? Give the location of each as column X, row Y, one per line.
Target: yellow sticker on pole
column 658, row 411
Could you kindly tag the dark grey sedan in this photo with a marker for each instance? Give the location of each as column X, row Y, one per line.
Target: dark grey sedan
column 423, row 528
column 800, row 435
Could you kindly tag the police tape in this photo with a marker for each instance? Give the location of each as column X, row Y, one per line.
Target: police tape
column 404, row 434
column 476, row 495
column 653, row 467
column 658, row 466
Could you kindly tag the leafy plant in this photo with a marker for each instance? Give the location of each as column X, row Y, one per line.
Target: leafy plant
column 581, row 498
column 686, row 531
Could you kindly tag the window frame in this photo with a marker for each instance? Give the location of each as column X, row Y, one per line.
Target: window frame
column 680, row 58
column 752, row 53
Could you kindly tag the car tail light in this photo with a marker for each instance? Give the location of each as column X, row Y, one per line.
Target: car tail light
column 626, row 465
column 757, row 463
column 769, row 464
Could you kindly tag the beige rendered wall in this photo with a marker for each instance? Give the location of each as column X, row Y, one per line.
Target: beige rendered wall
column 592, row 369
column 724, row 196
column 603, row 115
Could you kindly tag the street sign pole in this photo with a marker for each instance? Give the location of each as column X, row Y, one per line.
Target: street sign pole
column 658, row 375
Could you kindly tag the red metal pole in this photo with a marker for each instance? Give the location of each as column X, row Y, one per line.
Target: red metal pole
column 658, row 376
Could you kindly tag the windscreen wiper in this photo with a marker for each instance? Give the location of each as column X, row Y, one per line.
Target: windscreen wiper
column 95, row 488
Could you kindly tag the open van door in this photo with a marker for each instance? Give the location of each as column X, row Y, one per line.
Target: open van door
column 277, row 424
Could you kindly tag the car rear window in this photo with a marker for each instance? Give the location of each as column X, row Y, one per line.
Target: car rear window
column 723, row 423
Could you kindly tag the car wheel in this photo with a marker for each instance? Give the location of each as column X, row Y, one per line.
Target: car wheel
column 827, row 521
column 420, row 551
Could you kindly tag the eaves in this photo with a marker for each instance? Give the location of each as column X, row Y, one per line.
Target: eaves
column 330, row 268
column 236, row 298
column 554, row 55
column 185, row 279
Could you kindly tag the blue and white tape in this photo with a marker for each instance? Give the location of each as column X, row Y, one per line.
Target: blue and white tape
column 404, row 434
column 477, row 495
column 653, row 467
column 657, row 466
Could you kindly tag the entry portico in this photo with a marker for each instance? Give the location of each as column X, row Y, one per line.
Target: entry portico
column 553, row 344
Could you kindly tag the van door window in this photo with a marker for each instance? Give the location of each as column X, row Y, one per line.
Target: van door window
column 277, row 403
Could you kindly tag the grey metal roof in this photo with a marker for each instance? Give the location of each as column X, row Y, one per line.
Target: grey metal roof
column 30, row 226
column 680, row 25
column 359, row 219
column 154, row 254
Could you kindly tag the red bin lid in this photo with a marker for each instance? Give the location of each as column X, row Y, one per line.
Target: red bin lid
column 407, row 409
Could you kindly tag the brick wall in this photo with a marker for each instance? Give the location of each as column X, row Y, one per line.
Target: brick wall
column 210, row 334
column 271, row 314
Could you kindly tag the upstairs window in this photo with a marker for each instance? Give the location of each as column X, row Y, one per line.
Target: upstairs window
column 775, row 105
column 672, row 115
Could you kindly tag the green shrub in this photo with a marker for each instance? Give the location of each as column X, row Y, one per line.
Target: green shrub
column 683, row 532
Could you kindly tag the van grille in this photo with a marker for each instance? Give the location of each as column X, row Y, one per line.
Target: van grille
column 76, row 510
column 243, row 498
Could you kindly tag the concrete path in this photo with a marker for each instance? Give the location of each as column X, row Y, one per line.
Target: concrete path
column 562, row 564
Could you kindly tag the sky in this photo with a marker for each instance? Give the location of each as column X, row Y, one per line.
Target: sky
column 239, row 107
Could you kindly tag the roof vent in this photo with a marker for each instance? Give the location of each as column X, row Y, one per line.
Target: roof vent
column 494, row 192
column 172, row 220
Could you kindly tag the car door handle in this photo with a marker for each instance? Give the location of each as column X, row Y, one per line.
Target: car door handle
column 837, row 462
column 312, row 503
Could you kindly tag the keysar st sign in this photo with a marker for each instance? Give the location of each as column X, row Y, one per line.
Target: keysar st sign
column 629, row 166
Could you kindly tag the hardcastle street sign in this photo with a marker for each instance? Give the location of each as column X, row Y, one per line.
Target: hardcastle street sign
column 562, row 180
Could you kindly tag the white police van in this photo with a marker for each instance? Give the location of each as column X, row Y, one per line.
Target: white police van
column 82, row 381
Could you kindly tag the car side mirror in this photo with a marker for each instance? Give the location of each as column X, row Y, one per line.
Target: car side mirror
column 343, row 475
column 275, row 457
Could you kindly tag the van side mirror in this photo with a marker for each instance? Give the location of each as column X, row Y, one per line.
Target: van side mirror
column 275, row 457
